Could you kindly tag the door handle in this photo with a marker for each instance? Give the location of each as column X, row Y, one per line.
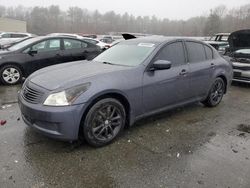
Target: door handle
column 183, row 72
column 58, row 55
column 212, row 65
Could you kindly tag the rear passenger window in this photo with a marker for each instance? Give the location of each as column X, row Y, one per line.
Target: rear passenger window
column 72, row 44
column 196, row 52
column 209, row 52
column 173, row 52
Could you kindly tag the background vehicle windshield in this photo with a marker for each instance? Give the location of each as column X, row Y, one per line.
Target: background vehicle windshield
column 22, row 44
column 127, row 55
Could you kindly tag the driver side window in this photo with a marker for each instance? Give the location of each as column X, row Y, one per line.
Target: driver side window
column 45, row 46
column 39, row 46
column 173, row 52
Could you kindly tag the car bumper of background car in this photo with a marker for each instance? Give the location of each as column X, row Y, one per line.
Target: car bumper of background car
column 241, row 76
column 56, row 122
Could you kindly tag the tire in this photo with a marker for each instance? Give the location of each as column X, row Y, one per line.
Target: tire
column 10, row 75
column 216, row 93
column 104, row 122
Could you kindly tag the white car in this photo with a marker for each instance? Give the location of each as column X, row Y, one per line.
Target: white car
column 97, row 42
column 66, row 35
column 241, row 65
column 6, row 37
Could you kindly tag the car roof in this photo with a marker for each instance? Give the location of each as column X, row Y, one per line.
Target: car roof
column 157, row 40
column 53, row 37
column 10, row 32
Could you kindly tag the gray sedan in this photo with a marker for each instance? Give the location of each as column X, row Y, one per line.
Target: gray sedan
column 136, row 78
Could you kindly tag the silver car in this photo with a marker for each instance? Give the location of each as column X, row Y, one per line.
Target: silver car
column 136, row 78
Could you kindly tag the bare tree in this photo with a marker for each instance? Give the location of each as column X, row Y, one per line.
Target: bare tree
column 43, row 20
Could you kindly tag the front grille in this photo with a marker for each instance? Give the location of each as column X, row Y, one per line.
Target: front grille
column 241, row 67
column 32, row 95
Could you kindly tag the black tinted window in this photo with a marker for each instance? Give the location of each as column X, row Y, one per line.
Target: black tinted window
column 196, row 52
column 173, row 52
column 72, row 44
column 91, row 41
column 209, row 52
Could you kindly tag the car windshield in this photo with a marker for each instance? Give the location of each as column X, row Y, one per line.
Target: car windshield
column 213, row 38
column 22, row 44
column 126, row 54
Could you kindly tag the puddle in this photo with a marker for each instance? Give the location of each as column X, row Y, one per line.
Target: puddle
column 244, row 128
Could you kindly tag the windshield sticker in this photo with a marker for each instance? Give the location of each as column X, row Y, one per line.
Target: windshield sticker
column 150, row 45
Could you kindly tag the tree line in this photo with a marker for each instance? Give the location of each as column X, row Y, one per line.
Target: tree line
column 44, row 20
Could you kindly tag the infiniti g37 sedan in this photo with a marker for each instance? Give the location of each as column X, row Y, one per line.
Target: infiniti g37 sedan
column 22, row 59
column 134, row 79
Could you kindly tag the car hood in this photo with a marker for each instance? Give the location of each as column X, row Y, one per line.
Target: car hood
column 4, row 52
column 239, row 40
column 68, row 74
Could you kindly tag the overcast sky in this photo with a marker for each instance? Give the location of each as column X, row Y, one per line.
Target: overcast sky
column 175, row 9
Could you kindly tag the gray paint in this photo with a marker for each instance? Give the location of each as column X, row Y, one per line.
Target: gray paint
column 148, row 92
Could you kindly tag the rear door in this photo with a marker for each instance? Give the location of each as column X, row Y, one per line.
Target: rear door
column 163, row 88
column 201, row 67
column 74, row 50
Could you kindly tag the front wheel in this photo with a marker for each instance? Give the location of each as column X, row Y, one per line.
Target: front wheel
column 104, row 121
column 10, row 75
column 216, row 93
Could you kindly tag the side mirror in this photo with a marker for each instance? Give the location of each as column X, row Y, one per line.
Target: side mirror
column 161, row 65
column 32, row 52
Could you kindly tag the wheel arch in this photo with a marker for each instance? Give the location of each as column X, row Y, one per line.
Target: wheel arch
column 223, row 77
column 107, row 94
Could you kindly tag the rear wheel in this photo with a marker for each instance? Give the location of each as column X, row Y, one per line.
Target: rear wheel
column 10, row 74
column 216, row 93
column 104, row 121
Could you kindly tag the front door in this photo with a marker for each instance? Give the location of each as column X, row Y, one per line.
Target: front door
column 163, row 88
column 47, row 52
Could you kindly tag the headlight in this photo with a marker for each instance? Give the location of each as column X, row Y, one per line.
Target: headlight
column 66, row 97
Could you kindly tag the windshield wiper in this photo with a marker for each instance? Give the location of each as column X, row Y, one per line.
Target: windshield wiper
column 105, row 62
column 108, row 63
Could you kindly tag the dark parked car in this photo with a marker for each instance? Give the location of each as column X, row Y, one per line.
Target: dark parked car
column 133, row 79
column 239, row 51
column 24, row 58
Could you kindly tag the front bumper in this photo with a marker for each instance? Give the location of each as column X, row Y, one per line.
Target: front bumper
column 56, row 122
column 241, row 72
column 241, row 76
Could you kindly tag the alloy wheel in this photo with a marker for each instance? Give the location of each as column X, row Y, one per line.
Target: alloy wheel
column 106, row 123
column 217, row 91
column 11, row 75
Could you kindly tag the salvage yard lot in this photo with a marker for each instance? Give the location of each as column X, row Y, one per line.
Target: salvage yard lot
column 193, row 146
